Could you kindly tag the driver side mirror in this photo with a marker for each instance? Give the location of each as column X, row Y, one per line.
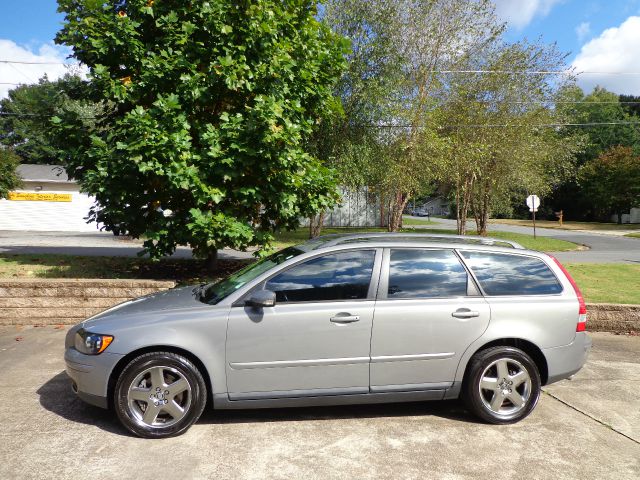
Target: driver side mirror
column 262, row 298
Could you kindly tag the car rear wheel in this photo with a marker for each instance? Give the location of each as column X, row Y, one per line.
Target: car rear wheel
column 159, row 394
column 502, row 385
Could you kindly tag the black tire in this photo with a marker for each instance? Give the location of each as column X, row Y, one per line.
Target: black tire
column 170, row 367
column 496, row 406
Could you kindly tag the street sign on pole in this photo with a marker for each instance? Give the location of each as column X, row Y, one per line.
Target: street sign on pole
column 533, row 202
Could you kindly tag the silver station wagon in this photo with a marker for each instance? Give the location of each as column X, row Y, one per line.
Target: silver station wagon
column 341, row 319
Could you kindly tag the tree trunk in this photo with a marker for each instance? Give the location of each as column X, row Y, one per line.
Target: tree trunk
column 398, row 206
column 383, row 219
column 465, row 204
column 316, row 223
column 458, row 206
column 482, row 213
column 619, row 218
column 211, row 263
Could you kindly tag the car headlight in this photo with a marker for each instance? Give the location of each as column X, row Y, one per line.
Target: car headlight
column 91, row 343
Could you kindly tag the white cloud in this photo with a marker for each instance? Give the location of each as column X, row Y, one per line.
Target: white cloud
column 519, row 13
column 583, row 30
column 20, row 73
column 615, row 50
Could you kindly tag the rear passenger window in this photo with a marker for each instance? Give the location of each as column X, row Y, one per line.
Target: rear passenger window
column 415, row 273
column 504, row 274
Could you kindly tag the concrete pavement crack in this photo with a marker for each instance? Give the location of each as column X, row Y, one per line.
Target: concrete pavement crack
column 592, row 418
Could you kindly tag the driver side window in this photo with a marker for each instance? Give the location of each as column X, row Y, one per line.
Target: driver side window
column 337, row 276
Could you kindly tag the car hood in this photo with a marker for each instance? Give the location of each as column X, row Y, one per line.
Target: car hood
column 174, row 299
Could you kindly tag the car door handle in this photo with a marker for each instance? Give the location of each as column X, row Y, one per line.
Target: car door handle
column 345, row 318
column 465, row 313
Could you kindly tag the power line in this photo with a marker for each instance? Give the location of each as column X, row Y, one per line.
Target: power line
column 508, row 72
column 536, row 72
column 41, row 115
column 541, row 103
column 487, row 125
column 25, row 62
column 507, row 125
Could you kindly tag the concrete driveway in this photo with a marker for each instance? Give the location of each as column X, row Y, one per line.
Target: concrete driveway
column 586, row 428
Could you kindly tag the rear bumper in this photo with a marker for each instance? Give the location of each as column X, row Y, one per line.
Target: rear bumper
column 562, row 362
column 90, row 375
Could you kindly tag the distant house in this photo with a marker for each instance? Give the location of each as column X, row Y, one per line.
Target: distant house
column 358, row 208
column 434, row 206
column 632, row 217
column 48, row 201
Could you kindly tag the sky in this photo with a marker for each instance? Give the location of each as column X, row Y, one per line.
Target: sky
column 597, row 35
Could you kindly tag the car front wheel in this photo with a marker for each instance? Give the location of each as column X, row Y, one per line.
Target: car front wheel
column 159, row 394
column 502, row 386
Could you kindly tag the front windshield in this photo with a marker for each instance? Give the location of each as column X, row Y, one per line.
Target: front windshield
column 215, row 292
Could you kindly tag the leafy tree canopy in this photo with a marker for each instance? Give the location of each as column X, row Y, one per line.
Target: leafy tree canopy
column 631, row 103
column 600, row 106
column 613, row 180
column 207, row 109
column 9, row 178
column 25, row 119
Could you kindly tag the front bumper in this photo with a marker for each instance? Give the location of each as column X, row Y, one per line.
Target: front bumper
column 562, row 362
column 90, row 375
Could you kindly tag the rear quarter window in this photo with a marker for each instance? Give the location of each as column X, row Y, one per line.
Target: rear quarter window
column 505, row 274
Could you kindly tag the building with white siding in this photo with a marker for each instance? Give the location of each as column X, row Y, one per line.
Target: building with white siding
column 48, row 201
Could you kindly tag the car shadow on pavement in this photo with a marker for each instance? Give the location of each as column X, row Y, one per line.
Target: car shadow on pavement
column 449, row 409
column 57, row 397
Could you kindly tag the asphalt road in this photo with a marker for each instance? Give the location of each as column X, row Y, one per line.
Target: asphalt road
column 90, row 244
column 586, row 428
column 602, row 248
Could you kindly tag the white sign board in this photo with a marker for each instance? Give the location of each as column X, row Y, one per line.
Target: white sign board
column 533, row 202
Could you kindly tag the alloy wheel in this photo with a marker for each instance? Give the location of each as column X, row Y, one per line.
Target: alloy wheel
column 159, row 396
column 505, row 387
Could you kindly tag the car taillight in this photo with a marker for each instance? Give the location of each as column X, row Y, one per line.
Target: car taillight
column 582, row 306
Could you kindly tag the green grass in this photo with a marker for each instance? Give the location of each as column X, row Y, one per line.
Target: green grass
column 633, row 235
column 192, row 271
column 600, row 283
column 416, row 221
column 183, row 271
column 544, row 244
column 593, row 226
column 607, row 283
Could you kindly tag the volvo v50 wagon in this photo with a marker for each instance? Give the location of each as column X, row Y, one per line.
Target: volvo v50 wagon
column 340, row 320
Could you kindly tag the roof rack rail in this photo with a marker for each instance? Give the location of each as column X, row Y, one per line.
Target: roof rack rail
column 337, row 239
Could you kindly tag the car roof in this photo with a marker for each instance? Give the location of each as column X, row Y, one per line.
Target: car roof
column 386, row 238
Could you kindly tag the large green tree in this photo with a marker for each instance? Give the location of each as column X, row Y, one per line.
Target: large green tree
column 612, row 181
column 631, row 103
column 9, row 178
column 606, row 124
column 209, row 108
column 396, row 81
column 25, row 116
column 503, row 146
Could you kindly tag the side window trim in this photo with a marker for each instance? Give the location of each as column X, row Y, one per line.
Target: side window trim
column 383, row 285
column 373, row 282
column 473, row 289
